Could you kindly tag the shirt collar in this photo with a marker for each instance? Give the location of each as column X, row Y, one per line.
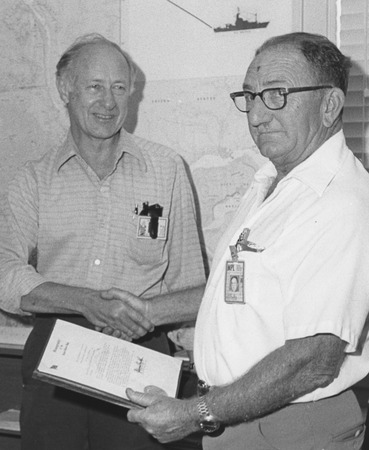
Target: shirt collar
column 317, row 171
column 321, row 167
column 126, row 144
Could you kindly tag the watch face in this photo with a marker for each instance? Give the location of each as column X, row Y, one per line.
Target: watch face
column 209, row 427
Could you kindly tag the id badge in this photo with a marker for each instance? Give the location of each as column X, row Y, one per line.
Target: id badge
column 234, row 282
column 145, row 231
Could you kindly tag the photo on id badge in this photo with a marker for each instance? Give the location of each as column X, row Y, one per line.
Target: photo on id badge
column 146, row 231
column 234, row 282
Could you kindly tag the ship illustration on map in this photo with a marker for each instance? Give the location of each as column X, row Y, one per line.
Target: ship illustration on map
column 242, row 24
column 239, row 24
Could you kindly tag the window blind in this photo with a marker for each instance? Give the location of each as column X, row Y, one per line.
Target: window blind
column 353, row 42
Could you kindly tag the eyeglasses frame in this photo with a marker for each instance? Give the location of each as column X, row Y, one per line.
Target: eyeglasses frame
column 283, row 91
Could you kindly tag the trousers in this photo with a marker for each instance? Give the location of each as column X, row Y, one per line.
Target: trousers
column 335, row 423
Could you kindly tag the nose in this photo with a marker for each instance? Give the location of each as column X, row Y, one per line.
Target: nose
column 259, row 113
column 109, row 99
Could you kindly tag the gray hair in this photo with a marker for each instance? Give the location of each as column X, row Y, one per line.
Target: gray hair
column 68, row 58
column 327, row 63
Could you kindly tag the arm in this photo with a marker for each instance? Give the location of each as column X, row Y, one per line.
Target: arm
column 185, row 259
column 299, row 367
column 94, row 305
column 175, row 307
column 180, row 306
column 18, row 242
column 23, row 290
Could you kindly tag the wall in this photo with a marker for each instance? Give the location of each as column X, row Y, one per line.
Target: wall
column 33, row 33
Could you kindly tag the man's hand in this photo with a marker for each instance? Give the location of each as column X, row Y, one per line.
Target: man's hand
column 183, row 337
column 126, row 336
column 165, row 418
column 101, row 308
column 114, row 315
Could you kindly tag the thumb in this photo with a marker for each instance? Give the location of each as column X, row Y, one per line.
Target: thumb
column 141, row 398
column 150, row 389
column 107, row 295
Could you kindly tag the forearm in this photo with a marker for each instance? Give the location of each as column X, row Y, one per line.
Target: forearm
column 56, row 298
column 299, row 367
column 16, row 279
column 175, row 307
column 98, row 307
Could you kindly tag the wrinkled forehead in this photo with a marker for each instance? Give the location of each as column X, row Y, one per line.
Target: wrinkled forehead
column 100, row 62
column 100, row 54
column 283, row 65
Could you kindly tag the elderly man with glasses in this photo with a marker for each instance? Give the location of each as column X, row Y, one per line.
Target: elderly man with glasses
column 278, row 361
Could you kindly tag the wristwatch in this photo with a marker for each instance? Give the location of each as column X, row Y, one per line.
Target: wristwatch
column 208, row 423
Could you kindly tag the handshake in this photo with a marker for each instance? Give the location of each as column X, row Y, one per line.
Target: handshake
column 129, row 317
column 121, row 314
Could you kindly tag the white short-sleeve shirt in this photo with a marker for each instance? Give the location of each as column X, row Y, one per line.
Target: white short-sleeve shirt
column 311, row 278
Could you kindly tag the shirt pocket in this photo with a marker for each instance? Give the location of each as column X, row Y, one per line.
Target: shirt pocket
column 147, row 251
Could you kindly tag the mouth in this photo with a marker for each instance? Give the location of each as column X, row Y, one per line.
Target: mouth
column 104, row 117
column 268, row 133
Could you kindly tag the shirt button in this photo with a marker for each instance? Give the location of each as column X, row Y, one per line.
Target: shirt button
column 97, row 262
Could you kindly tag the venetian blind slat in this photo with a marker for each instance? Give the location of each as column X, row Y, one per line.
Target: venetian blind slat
column 354, row 38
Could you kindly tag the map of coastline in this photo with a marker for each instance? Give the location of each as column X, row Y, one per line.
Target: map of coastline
column 197, row 118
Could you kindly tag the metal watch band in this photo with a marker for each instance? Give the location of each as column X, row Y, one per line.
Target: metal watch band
column 208, row 423
column 203, row 408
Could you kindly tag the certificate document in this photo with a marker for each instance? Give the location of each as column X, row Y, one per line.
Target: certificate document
column 103, row 366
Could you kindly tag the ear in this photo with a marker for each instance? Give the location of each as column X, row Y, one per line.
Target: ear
column 332, row 105
column 62, row 85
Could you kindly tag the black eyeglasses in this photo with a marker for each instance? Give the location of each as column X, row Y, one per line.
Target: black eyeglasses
column 273, row 98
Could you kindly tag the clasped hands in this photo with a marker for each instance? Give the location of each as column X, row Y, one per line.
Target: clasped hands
column 122, row 315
